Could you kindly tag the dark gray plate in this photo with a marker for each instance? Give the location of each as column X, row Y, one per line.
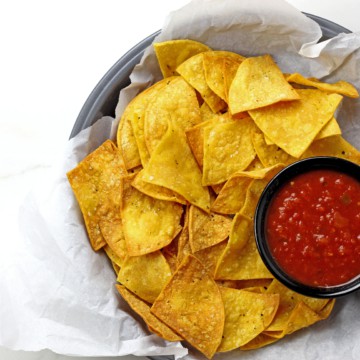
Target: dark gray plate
column 103, row 99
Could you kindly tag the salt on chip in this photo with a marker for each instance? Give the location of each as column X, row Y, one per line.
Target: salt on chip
column 145, row 275
column 227, row 149
column 176, row 101
column 170, row 54
column 207, row 229
column 173, row 166
column 247, row 315
column 149, row 224
column 192, row 306
column 143, row 309
column 340, row 87
column 293, row 126
column 192, row 70
column 240, row 259
column 95, row 182
column 258, row 82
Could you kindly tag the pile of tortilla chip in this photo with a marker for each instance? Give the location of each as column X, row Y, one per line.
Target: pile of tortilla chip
column 172, row 203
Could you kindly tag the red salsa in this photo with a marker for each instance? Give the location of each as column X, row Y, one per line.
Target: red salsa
column 313, row 228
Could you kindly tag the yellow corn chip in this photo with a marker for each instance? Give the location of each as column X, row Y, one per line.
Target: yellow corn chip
column 96, row 184
column 143, row 309
column 191, row 305
column 247, row 315
column 207, row 229
column 227, row 149
column 156, row 191
column 192, row 70
column 173, row 166
column 340, row 87
column 175, row 102
column 258, row 82
column 240, row 259
column 170, row 54
column 126, row 141
column 145, row 275
column 149, row 224
column 293, row 126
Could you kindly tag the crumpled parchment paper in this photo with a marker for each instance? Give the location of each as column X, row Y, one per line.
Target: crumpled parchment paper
column 56, row 293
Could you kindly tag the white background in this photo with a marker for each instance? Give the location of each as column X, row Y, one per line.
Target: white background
column 53, row 53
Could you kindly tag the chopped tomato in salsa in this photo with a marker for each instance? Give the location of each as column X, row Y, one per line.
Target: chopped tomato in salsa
column 313, row 228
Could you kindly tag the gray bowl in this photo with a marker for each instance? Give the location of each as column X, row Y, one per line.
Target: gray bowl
column 103, row 99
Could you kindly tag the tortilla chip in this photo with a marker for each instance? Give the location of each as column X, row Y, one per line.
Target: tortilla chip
column 258, row 82
column 207, row 229
column 330, row 129
column 126, row 141
column 143, row 310
column 246, row 284
column 170, row 54
column 259, row 341
column 240, row 259
column 176, row 102
column 293, row 126
column 145, row 275
column 340, row 87
column 192, row 70
column 195, row 135
column 270, row 155
column 156, row 191
column 209, row 257
column 184, row 248
column 116, row 262
column 232, row 197
column 173, row 166
column 214, row 66
column 95, row 182
column 114, row 236
column 227, row 149
column 333, row 146
column 191, row 305
column 247, row 315
column 135, row 113
column 149, row 224
column 288, row 302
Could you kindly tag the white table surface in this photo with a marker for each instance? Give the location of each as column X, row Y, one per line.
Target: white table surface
column 53, row 53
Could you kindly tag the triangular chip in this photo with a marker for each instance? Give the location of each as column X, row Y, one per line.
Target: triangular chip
column 207, row 229
column 149, row 224
column 96, row 184
column 258, row 82
column 192, row 70
column 172, row 165
column 126, row 141
column 340, row 87
column 227, row 149
column 143, row 309
column 247, row 314
column 145, row 275
column 191, row 305
column 176, row 102
column 293, row 126
column 156, row 191
column 240, row 259
column 170, row 54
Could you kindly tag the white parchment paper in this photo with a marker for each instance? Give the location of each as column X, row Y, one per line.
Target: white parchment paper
column 56, row 293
